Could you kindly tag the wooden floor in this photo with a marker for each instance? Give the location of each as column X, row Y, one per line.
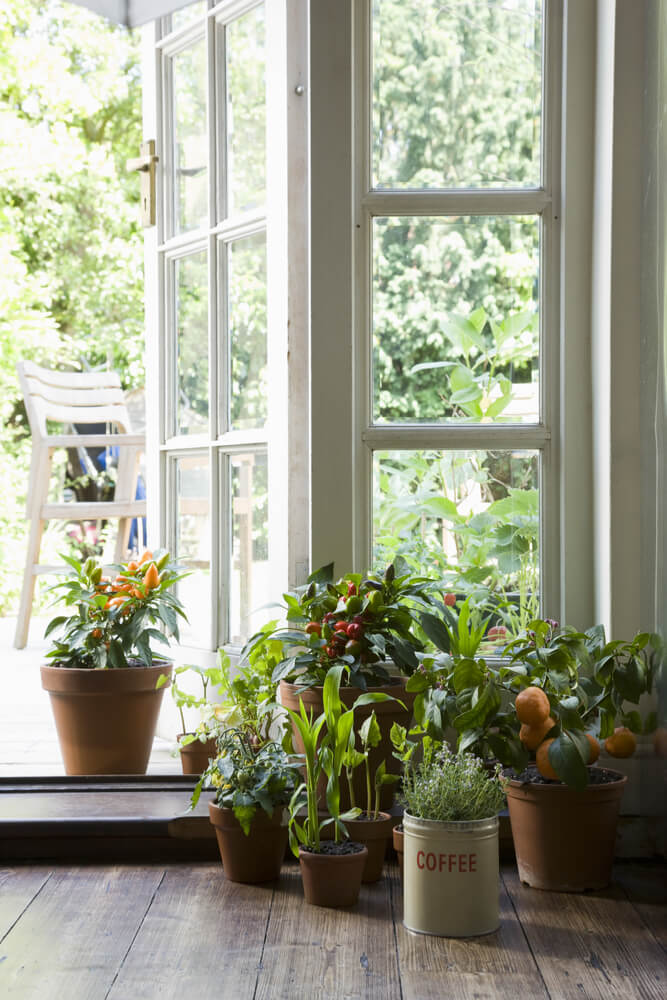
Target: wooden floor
column 133, row 932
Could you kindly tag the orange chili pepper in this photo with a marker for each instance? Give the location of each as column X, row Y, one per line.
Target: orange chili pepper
column 152, row 578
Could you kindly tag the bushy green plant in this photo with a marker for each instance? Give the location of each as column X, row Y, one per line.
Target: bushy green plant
column 207, row 725
column 115, row 620
column 447, row 787
column 248, row 690
column 248, row 777
column 370, row 736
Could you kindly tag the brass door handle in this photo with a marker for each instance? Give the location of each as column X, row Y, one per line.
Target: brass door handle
column 145, row 164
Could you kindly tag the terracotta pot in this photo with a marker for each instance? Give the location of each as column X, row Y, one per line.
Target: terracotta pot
column 105, row 719
column 374, row 834
column 258, row 856
column 564, row 839
column 451, row 877
column 387, row 713
column 397, row 835
column 195, row 756
column 332, row 879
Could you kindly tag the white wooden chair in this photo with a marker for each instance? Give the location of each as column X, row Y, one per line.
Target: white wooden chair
column 73, row 398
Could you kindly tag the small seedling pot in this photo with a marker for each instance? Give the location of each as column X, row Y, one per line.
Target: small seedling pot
column 196, row 755
column 374, row 834
column 332, row 880
column 451, row 877
column 258, row 856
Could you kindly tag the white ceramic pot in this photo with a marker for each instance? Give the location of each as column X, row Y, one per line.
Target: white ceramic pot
column 451, row 877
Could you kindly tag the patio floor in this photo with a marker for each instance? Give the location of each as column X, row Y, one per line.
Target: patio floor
column 133, row 932
column 28, row 741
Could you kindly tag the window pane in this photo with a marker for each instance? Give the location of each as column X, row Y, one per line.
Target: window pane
column 246, row 112
column 191, row 313
column 190, row 145
column 193, row 547
column 247, row 331
column 468, row 517
column 187, row 14
column 456, row 93
column 249, row 570
column 455, row 323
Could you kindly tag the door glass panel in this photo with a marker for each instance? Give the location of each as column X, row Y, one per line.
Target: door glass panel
column 189, row 179
column 471, row 517
column 457, row 93
column 455, row 319
column 246, row 276
column 249, row 569
column 246, row 112
column 193, row 546
column 186, row 15
column 191, row 315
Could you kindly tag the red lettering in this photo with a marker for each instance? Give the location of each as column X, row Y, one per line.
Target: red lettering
column 430, row 862
column 462, row 862
column 452, row 857
column 420, row 864
column 442, row 858
column 473, row 862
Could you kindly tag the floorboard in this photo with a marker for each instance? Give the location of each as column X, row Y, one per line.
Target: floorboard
column 18, row 888
column 202, row 936
column 321, row 954
column 645, row 885
column 590, row 945
column 494, row 966
column 70, row 942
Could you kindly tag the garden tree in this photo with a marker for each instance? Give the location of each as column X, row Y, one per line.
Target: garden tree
column 71, row 288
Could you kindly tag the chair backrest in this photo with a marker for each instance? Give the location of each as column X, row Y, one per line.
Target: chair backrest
column 72, row 398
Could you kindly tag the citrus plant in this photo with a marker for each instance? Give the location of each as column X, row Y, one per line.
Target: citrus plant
column 116, row 619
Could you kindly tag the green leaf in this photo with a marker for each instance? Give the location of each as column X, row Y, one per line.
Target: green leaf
column 566, row 759
column 436, row 631
column 467, row 674
column 370, row 732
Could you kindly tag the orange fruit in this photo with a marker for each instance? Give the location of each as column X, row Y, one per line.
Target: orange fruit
column 595, row 748
column 622, row 743
column 114, row 602
column 146, row 557
column 152, row 577
column 532, row 706
column 131, row 566
column 532, row 736
column 543, row 762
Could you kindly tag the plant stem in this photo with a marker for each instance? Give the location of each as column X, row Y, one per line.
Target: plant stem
column 369, row 793
column 350, row 785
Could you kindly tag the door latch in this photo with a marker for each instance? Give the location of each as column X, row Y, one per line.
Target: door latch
column 145, row 164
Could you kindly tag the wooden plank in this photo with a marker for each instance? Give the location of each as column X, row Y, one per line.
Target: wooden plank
column 201, row 925
column 326, row 954
column 18, row 887
column 590, row 945
column 72, row 939
column 645, row 885
column 485, row 968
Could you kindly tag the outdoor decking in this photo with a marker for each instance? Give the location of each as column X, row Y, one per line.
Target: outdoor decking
column 132, row 932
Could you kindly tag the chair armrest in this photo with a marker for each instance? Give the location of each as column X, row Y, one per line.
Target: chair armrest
column 95, row 441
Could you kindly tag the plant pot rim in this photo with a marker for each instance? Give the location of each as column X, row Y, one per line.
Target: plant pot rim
column 156, row 665
column 398, row 681
column 98, row 681
column 559, row 787
column 320, row 858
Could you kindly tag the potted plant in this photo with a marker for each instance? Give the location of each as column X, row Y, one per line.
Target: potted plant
column 254, row 784
column 195, row 746
column 573, row 688
column 103, row 673
column 331, row 871
column 366, row 624
column 371, row 827
column 248, row 692
column 451, row 844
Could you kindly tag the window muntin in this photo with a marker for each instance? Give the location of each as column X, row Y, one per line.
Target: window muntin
column 455, row 319
column 457, row 95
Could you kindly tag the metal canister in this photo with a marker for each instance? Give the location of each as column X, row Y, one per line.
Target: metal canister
column 451, row 877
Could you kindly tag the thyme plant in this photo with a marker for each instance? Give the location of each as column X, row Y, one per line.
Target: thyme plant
column 448, row 787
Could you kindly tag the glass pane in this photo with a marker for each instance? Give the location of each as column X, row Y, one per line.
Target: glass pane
column 191, row 312
column 190, row 143
column 186, row 15
column 249, row 570
column 247, row 331
column 456, row 93
column 455, row 321
column 471, row 517
column 193, row 547
column 246, row 112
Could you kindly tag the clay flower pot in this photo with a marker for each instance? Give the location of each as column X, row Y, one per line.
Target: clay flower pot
column 564, row 839
column 374, row 834
column 332, row 879
column 196, row 755
column 105, row 719
column 258, row 856
column 386, row 712
column 397, row 836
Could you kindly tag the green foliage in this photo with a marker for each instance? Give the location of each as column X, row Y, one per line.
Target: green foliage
column 359, row 621
column 207, row 726
column 71, row 248
column 452, row 787
column 248, row 777
column 249, row 693
column 115, row 620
